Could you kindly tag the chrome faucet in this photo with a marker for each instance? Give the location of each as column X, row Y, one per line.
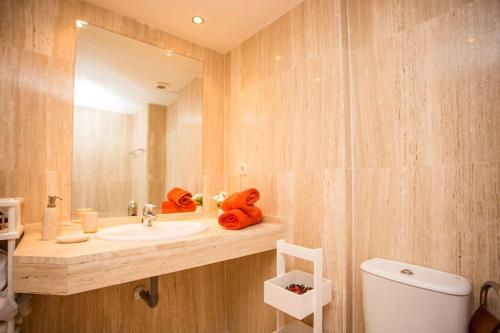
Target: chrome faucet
column 132, row 208
column 148, row 216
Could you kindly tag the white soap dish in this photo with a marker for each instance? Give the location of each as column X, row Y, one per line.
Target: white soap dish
column 72, row 238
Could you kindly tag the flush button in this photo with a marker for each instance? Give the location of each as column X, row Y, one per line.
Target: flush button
column 407, row 271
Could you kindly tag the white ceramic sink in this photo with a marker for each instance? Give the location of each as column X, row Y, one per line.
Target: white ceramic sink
column 159, row 231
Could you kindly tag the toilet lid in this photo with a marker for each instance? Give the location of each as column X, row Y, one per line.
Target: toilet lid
column 418, row 276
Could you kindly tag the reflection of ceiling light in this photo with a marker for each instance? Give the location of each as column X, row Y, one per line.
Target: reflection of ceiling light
column 277, row 58
column 80, row 23
column 161, row 85
column 471, row 39
column 198, row 20
column 169, row 53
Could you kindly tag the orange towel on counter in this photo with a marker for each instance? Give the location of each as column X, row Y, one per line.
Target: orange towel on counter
column 169, row 207
column 179, row 196
column 239, row 211
column 235, row 219
column 241, row 199
column 244, row 201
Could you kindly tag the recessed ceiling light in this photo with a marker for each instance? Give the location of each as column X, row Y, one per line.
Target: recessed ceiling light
column 197, row 20
column 80, row 23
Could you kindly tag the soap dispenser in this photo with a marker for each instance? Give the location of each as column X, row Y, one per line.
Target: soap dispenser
column 51, row 227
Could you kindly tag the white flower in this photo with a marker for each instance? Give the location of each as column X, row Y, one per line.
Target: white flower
column 219, row 197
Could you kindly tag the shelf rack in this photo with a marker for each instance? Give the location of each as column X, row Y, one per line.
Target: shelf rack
column 298, row 306
column 11, row 235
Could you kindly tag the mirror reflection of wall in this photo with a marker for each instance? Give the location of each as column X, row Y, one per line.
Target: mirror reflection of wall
column 137, row 128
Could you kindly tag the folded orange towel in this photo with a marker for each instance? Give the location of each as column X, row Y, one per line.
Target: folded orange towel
column 244, row 201
column 235, row 219
column 168, row 207
column 180, row 196
column 244, row 198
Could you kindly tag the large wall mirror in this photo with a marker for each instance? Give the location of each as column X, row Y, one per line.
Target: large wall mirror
column 137, row 124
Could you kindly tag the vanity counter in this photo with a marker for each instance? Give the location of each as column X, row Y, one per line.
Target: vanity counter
column 48, row 267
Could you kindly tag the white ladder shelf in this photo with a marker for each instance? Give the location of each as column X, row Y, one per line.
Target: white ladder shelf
column 298, row 306
column 13, row 232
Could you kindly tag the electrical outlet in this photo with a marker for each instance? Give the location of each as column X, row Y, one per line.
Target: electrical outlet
column 243, row 169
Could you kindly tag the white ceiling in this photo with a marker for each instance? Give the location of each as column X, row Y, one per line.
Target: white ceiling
column 119, row 74
column 227, row 22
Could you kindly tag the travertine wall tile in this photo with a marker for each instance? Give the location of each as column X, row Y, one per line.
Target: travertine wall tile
column 425, row 137
column 184, row 140
column 421, row 125
column 101, row 173
column 183, row 306
column 285, row 119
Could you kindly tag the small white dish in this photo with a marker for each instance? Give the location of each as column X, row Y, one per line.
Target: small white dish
column 72, row 238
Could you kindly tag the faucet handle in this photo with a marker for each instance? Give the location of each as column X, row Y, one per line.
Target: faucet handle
column 148, row 208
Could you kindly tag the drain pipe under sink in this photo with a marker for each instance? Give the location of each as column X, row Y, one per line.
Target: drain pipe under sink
column 150, row 297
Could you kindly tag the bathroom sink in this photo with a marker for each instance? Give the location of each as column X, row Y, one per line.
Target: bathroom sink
column 159, row 231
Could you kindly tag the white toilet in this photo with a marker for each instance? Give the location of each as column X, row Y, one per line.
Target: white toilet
column 400, row 297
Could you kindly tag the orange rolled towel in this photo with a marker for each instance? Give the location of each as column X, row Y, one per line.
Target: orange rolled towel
column 241, row 199
column 235, row 219
column 169, row 207
column 178, row 201
column 180, row 196
column 244, row 201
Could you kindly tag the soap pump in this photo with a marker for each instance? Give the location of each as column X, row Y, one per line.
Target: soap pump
column 51, row 227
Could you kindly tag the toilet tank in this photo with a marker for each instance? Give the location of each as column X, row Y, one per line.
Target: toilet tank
column 400, row 297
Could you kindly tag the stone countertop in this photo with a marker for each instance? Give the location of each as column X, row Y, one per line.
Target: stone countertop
column 48, row 267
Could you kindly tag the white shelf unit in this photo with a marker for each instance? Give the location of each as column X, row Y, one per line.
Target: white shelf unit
column 298, row 306
column 11, row 234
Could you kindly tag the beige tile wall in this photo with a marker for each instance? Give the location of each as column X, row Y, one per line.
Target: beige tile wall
column 398, row 159
column 156, row 133
column 183, row 307
column 37, row 59
column 139, row 161
column 286, row 119
column 184, row 139
column 102, row 166
column 426, row 144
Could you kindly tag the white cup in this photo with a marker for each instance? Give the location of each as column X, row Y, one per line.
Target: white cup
column 90, row 222
column 79, row 213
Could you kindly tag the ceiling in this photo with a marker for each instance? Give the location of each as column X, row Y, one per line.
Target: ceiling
column 227, row 22
column 119, row 74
